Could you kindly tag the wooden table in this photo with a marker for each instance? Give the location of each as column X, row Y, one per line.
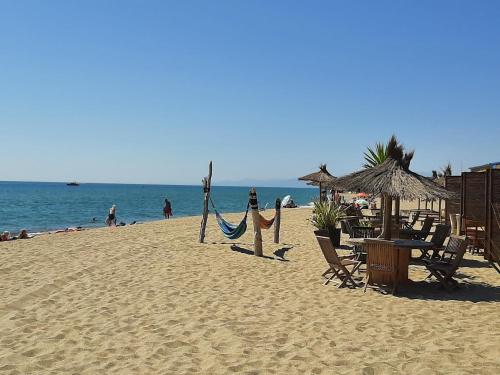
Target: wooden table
column 409, row 232
column 404, row 248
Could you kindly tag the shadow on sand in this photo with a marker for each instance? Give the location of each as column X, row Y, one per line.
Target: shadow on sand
column 280, row 253
column 466, row 291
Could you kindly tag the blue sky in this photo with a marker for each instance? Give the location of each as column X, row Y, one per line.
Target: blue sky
column 149, row 91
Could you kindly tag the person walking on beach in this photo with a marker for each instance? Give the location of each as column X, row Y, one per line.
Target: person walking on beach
column 111, row 219
column 167, row 209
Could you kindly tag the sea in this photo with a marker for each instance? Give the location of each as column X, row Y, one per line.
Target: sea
column 46, row 206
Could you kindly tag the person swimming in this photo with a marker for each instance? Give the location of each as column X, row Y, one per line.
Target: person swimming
column 111, row 219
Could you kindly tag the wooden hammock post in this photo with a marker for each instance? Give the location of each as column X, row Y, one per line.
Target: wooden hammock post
column 207, row 181
column 277, row 221
column 257, row 235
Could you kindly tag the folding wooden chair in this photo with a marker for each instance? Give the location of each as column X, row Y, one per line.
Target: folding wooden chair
column 337, row 264
column 416, row 215
column 426, row 229
column 444, row 269
column 441, row 232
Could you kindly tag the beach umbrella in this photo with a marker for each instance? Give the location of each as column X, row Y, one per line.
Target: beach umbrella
column 361, row 202
column 321, row 178
column 361, row 195
column 393, row 179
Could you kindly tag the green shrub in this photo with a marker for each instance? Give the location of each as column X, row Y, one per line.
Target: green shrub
column 326, row 215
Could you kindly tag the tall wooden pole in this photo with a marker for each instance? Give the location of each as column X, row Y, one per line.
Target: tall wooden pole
column 439, row 208
column 320, row 193
column 207, row 181
column 387, row 224
column 277, row 221
column 257, row 235
column 397, row 203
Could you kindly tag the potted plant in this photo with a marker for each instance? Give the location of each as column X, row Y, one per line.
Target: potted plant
column 325, row 217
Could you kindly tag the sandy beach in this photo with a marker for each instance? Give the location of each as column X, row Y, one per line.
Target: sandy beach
column 148, row 299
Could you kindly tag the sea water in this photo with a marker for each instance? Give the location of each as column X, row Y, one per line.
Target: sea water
column 42, row 206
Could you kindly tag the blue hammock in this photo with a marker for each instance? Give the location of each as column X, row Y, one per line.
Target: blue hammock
column 229, row 230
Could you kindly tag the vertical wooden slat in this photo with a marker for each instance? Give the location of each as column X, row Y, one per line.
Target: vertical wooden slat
column 488, row 203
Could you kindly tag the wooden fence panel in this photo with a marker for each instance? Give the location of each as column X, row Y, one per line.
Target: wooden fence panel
column 492, row 251
column 452, row 206
column 474, row 196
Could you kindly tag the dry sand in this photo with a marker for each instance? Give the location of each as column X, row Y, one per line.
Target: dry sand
column 149, row 299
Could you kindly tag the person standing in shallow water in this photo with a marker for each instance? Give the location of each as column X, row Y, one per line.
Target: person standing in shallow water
column 167, row 209
column 111, row 219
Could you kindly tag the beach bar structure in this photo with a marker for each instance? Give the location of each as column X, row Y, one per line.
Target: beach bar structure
column 485, row 167
column 476, row 204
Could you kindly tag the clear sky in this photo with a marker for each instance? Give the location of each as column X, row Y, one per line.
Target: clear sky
column 149, row 91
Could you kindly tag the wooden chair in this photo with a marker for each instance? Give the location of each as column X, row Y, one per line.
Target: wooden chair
column 474, row 230
column 350, row 224
column 416, row 215
column 440, row 233
column 337, row 264
column 362, row 232
column 444, row 269
column 381, row 263
column 426, row 229
column 343, row 226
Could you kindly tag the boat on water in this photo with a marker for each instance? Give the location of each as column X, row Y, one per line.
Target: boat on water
column 74, row 183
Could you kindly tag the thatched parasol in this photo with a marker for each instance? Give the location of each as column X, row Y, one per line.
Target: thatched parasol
column 393, row 179
column 321, row 178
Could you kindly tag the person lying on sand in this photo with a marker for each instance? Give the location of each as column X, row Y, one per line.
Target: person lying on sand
column 5, row 236
column 70, row 229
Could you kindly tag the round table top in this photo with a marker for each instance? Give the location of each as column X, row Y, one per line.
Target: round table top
column 398, row 242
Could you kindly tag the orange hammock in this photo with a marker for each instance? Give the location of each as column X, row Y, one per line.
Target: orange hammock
column 264, row 223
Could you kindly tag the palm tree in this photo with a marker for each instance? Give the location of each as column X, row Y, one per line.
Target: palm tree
column 446, row 170
column 378, row 154
column 381, row 152
column 375, row 156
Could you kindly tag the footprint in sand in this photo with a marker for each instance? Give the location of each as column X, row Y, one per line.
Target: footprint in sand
column 176, row 344
column 31, row 352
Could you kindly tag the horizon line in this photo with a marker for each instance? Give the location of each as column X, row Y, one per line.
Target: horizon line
column 152, row 184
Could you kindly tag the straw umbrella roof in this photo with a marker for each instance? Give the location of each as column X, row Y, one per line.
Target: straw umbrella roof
column 322, row 177
column 394, row 178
